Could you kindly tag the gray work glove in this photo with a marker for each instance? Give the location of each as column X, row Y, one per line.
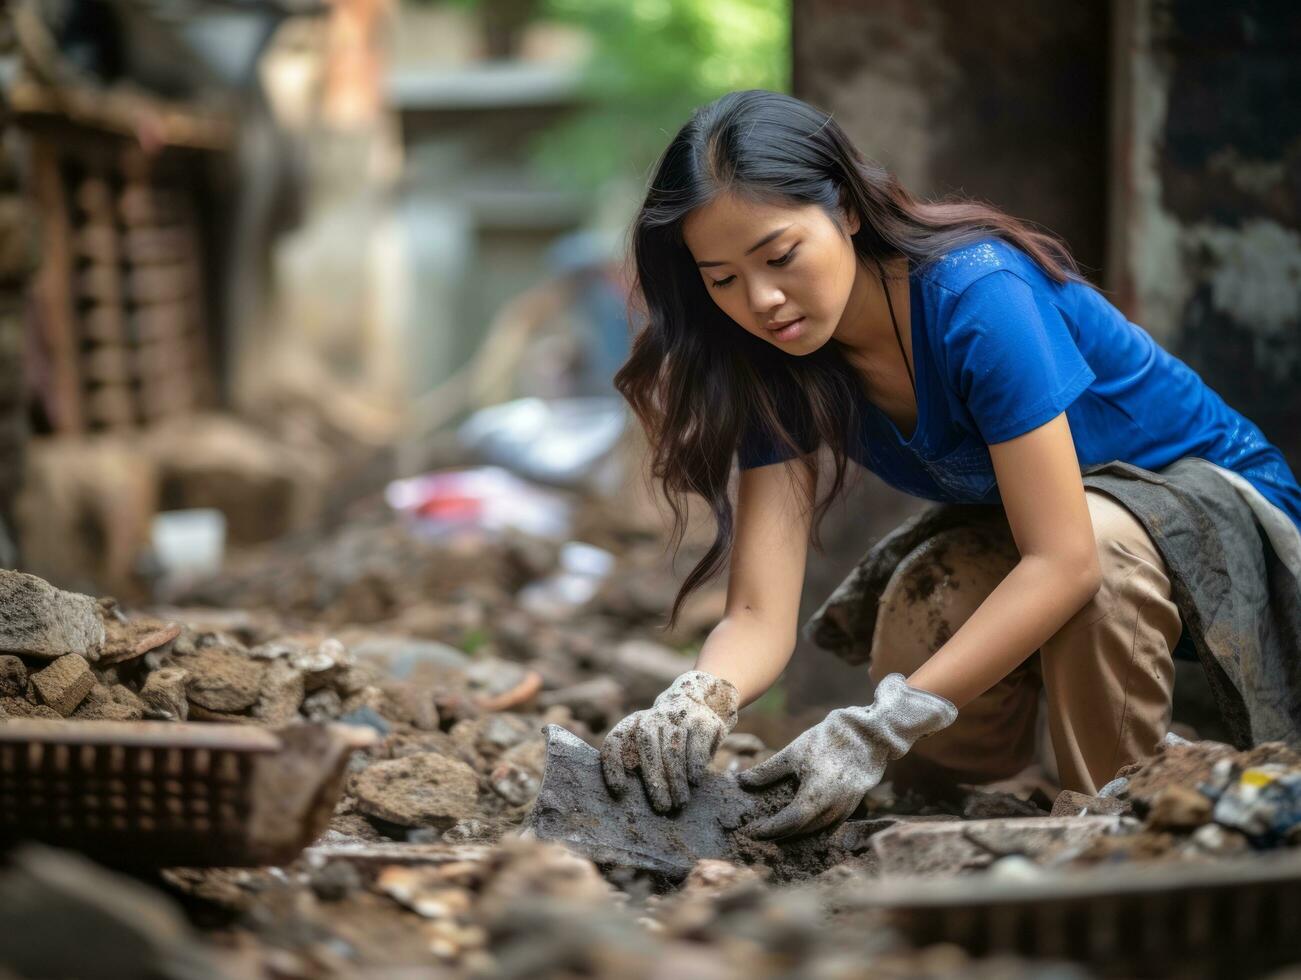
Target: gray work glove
column 672, row 741
column 842, row 757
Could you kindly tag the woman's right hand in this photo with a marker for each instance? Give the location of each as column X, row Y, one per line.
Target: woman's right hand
column 671, row 742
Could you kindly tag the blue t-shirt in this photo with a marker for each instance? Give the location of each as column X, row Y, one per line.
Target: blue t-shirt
column 999, row 348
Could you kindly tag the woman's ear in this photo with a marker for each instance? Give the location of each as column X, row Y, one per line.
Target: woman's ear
column 850, row 216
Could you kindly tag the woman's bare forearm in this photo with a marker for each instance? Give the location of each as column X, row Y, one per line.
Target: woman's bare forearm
column 1032, row 603
column 748, row 652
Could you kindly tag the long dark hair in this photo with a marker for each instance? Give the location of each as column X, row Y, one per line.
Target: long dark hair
column 695, row 379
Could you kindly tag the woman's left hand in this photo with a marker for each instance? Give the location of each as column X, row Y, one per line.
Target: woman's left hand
column 842, row 757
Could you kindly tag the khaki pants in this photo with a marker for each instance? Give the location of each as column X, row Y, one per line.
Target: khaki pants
column 1108, row 672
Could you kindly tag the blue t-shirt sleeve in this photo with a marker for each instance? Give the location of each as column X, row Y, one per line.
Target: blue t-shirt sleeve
column 1011, row 357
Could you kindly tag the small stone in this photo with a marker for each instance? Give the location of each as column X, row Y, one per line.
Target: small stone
column 41, row 621
column 322, row 665
column 427, row 789
column 514, row 783
column 281, row 695
column 598, row 702
column 323, row 705
column 712, row 876
column 100, row 706
column 1178, row 808
column 22, row 708
column 334, row 881
column 491, row 735
column 222, row 680
column 123, row 695
column 13, row 677
column 1218, row 841
column 64, row 683
column 368, row 717
column 163, row 695
column 423, row 891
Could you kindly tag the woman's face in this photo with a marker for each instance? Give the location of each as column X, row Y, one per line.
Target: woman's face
column 766, row 265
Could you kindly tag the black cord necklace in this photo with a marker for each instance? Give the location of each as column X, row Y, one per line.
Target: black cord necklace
column 897, row 336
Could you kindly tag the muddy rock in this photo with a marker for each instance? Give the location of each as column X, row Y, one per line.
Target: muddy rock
column 645, row 669
column 712, row 876
column 281, row 694
column 127, row 639
column 424, row 790
column 598, row 702
column 514, row 783
column 39, row 620
column 163, row 695
column 1178, row 808
column 221, row 679
column 323, row 705
column 126, row 697
column 522, row 868
column 22, row 708
column 323, row 664
column 99, row 705
column 489, row 736
column 13, row 677
column 64, row 684
column 992, row 806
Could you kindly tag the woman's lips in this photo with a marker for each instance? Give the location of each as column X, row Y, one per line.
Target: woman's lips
column 790, row 331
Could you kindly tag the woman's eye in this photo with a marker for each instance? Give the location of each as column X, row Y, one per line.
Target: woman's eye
column 719, row 284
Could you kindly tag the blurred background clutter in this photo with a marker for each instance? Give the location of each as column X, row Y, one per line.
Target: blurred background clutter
column 309, row 309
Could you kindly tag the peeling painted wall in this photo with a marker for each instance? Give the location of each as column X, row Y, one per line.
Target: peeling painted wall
column 1205, row 209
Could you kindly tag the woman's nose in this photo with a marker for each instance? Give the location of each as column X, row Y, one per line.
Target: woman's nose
column 765, row 298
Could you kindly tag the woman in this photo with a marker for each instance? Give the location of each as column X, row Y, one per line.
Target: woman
column 797, row 296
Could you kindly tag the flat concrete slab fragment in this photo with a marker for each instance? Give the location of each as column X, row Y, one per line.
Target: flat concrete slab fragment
column 574, row 807
column 952, row 848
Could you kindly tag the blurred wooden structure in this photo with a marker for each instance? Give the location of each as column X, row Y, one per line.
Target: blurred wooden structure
column 124, row 282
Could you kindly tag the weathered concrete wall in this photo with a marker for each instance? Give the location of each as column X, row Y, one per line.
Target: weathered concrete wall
column 1206, row 203
column 1003, row 102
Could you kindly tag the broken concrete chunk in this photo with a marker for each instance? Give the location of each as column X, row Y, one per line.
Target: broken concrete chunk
column 222, row 680
column 13, row 677
column 64, row 684
column 163, row 694
column 953, row 848
column 41, row 621
column 423, row 790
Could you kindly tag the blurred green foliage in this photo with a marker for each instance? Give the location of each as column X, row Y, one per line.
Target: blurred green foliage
column 653, row 61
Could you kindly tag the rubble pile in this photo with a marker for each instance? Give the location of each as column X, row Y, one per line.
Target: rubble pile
column 422, row 864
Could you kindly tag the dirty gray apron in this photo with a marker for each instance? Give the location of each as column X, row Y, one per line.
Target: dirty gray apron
column 1240, row 602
